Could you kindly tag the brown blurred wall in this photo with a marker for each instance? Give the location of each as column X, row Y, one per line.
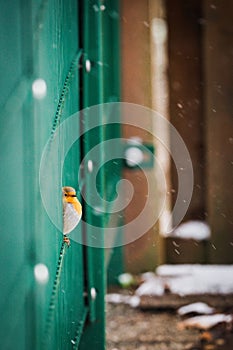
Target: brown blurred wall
column 201, row 90
column 140, row 255
column 186, row 92
column 200, row 53
column 218, row 93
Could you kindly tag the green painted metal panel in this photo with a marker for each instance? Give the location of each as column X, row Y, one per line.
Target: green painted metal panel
column 38, row 40
column 101, row 84
column 93, row 94
column 51, row 40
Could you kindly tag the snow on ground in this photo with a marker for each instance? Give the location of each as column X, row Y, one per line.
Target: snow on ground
column 185, row 280
column 198, row 308
column 152, row 286
column 197, row 230
column 116, row 298
column 205, row 322
column 189, row 279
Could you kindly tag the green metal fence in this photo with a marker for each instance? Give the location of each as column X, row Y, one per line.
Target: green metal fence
column 52, row 296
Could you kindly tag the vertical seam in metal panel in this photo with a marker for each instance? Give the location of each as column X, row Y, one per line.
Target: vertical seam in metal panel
column 79, row 330
column 53, row 298
column 65, row 91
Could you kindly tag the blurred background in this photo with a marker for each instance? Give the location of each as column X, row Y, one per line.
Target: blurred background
column 176, row 58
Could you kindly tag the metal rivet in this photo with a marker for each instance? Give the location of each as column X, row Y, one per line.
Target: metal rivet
column 93, row 293
column 88, row 66
column 41, row 273
column 90, row 166
column 39, row 89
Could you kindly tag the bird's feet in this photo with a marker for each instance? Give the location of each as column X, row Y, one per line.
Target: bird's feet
column 66, row 240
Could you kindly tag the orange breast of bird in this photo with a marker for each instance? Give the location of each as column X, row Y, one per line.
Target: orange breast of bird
column 72, row 212
column 76, row 204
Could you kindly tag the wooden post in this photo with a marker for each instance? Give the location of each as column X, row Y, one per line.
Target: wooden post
column 218, row 55
column 186, row 105
column 136, row 88
column 160, row 103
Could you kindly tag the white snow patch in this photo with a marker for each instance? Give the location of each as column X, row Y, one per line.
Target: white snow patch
column 116, row 298
column 147, row 275
column 152, row 286
column 199, row 308
column 198, row 230
column 189, row 279
column 205, row 322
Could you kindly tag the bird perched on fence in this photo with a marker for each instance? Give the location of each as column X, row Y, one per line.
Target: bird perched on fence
column 72, row 211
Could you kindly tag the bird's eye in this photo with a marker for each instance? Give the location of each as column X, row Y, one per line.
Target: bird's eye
column 65, row 194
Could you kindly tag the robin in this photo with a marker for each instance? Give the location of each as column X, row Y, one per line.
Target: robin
column 72, row 211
